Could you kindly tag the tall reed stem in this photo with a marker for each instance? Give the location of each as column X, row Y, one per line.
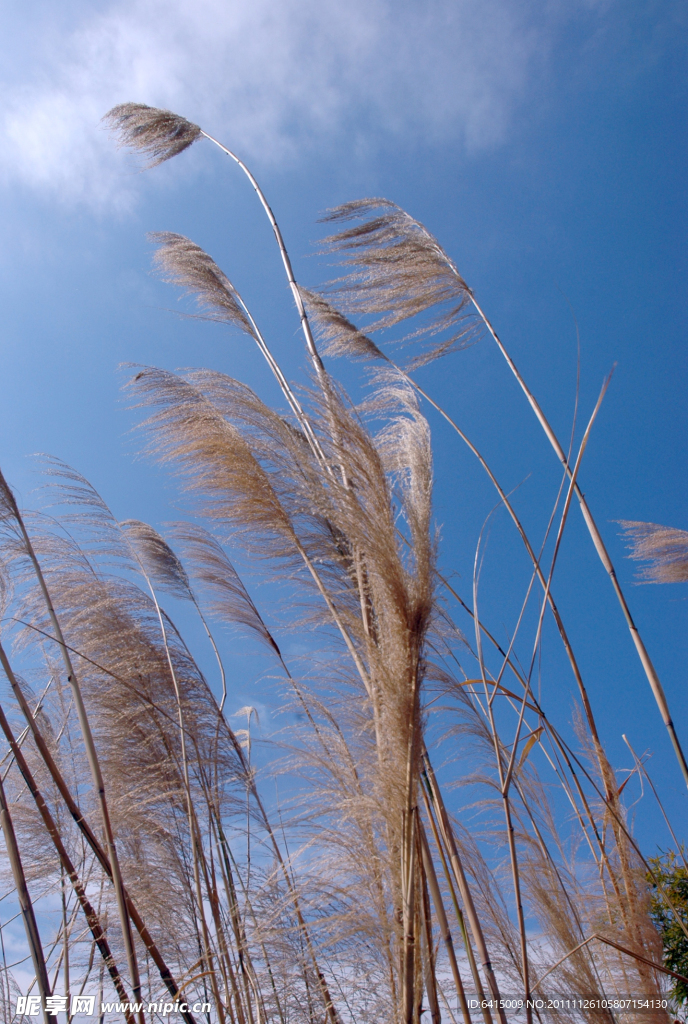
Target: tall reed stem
column 303, row 316
column 645, row 660
column 26, row 906
column 441, row 915
column 450, row 843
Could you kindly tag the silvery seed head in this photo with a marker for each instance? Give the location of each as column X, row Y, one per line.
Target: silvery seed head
column 159, row 134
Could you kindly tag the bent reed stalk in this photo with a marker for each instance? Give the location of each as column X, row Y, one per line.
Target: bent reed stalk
column 380, row 897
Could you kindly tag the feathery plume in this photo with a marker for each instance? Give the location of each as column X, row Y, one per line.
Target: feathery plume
column 158, row 559
column 211, row 455
column 8, row 504
column 208, row 563
column 159, row 134
column 664, row 548
column 180, row 261
column 338, row 336
column 398, row 270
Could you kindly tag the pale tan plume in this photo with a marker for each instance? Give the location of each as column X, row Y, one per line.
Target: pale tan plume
column 180, row 261
column 663, row 548
column 158, row 134
column 398, row 270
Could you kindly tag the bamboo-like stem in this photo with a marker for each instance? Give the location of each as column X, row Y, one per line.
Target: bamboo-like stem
column 462, row 883
column 449, row 877
column 427, row 945
column 303, row 316
column 91, row 754
column 29, row 918
column 441, row 915
column 645, row 660
column 65, row 945
column 409, row 854
column 408, row 889
column 506, row 804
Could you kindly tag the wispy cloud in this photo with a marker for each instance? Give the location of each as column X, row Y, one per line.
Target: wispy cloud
column 271, row 76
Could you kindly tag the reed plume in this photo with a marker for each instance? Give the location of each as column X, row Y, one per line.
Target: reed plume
column 664, row 548
column 417, row 852
column 158, row 134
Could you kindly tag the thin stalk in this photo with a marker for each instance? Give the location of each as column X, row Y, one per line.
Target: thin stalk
column 557, row 544
column 196, row 850
column 65, row 861
column 511, row 839
column 246, row 968
column 548, row 856
column 643, row 769
column 441, row 915
column 330, row 1008
column 310, row 345
column 410, row 854
column 526, row 542
column 223, row 676
column 621, row 949
column 227, row 855
column 550, row 729
column 408, row 888
column 65, row 944
column 645, row 660
column 457, row 867
column 305, row 325
column 285, row 387
column 29, row 918
column 443, row 854
column 428, row 950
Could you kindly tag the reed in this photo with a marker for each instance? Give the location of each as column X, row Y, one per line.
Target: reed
column 369, row 895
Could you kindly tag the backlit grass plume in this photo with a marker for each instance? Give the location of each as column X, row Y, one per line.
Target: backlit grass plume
column 663, row 548
column 158, row 134
column 421, row 831
column 398, row 270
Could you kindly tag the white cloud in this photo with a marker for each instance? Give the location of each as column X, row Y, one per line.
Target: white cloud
column 271, row 76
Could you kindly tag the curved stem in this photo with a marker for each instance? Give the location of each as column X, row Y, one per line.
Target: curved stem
column 31, row 928
column 303, row 316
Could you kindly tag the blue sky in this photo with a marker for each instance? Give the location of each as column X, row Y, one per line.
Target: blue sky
column 544, row 143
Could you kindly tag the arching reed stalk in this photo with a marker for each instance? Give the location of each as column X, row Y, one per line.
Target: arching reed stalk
column 380, row 897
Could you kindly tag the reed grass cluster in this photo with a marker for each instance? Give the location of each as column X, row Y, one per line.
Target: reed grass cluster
column 133, row 812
